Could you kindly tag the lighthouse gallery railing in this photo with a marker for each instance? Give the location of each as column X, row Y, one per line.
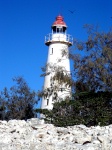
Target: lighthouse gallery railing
column 59, row 37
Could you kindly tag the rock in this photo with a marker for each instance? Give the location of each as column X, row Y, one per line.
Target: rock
column 81, row 126
column 38, row 126
column 96, row 142
column 102, row 139
column 82, row 139
column 5, row 138
column 34, row 134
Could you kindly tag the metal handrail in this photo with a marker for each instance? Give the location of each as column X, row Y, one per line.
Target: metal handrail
column 48, row 38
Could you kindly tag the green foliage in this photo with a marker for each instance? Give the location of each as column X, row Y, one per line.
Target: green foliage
column 93, row 65
column 18, row 102
column 86, row 108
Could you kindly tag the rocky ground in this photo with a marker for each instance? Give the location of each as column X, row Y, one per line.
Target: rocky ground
column 33, row 134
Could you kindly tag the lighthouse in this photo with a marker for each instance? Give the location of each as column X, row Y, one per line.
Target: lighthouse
column 57, row 41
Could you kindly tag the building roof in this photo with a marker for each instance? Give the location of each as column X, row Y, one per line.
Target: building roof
column 59, row 21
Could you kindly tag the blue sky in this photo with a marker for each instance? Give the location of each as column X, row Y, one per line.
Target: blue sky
column 24, row 24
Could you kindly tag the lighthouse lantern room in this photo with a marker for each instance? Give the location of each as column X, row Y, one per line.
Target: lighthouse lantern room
column 57, row 41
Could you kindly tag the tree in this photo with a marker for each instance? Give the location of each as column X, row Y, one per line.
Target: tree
column 19, row 100
column 93, row 67
column 86, row 108
column 2, row 107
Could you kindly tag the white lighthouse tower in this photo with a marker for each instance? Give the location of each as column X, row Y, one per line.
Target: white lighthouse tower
column 57, row 41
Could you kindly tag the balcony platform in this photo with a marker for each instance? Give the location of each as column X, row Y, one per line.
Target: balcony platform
column 59, row 38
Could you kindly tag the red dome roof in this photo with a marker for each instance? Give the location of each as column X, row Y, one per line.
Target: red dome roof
column 59, row 21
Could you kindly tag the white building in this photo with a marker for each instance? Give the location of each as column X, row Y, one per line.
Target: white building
column 57, row 41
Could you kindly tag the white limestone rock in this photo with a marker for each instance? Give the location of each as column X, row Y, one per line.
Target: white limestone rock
column 33, row 134
column 5, row 138
column 83, row 139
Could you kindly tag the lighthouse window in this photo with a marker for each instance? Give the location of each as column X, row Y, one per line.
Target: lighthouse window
column 47, row 101
column 59, row 30
column 51, row 51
